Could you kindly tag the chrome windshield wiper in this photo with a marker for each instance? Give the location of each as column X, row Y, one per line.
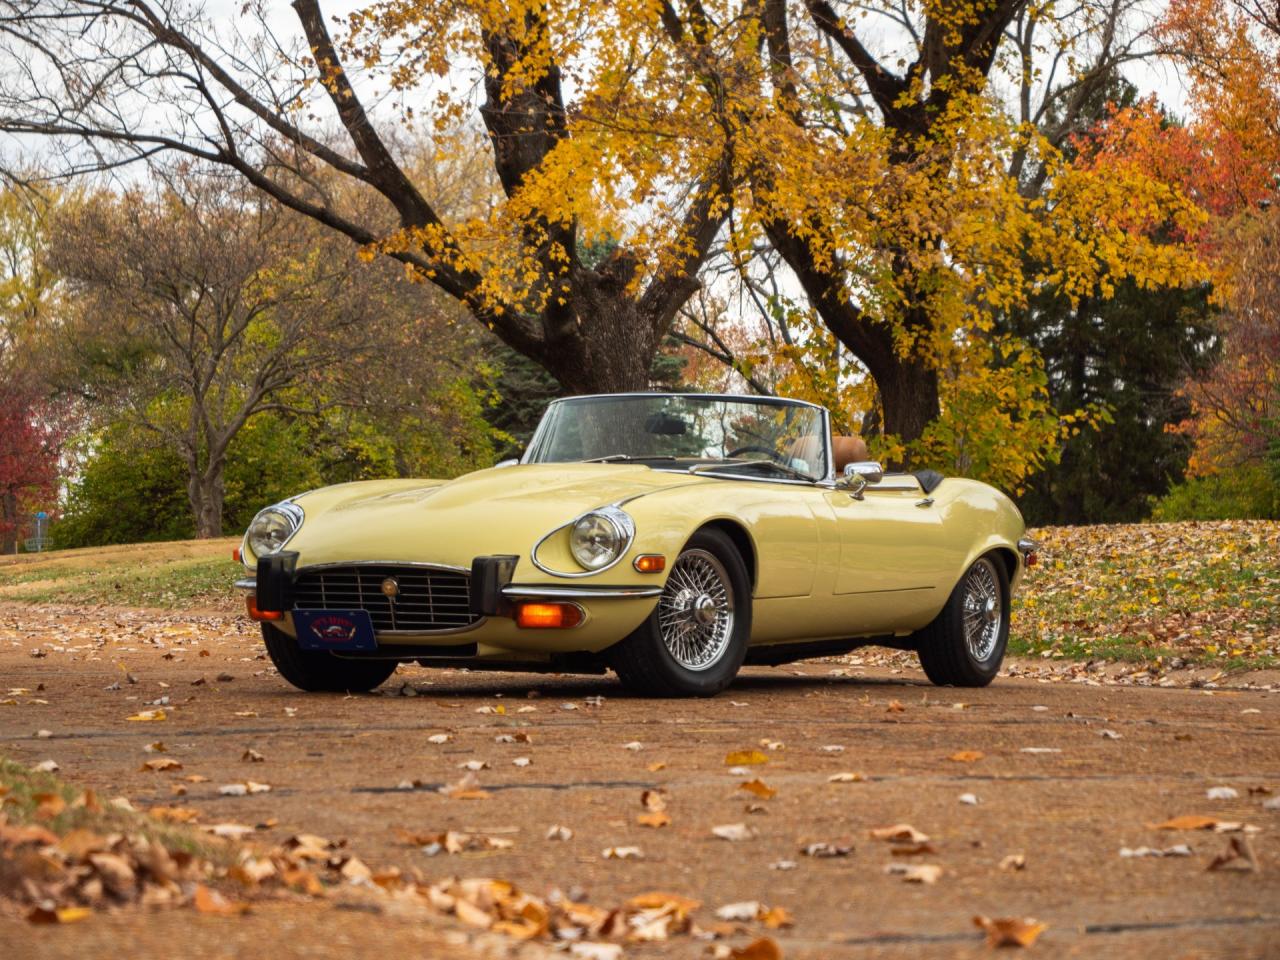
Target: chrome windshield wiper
column 771, row 464
column 623, row 458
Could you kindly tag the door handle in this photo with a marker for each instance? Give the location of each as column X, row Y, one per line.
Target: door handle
column 926, row 502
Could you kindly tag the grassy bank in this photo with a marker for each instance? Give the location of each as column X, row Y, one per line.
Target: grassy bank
column 182, row 575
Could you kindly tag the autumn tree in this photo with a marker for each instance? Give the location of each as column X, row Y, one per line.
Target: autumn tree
column 32, row 422
column 202, row 307
column 1226, row 155
column 908, row 199
column 569, row 175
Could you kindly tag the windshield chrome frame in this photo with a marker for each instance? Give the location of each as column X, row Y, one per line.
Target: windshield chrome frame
column 829, row 478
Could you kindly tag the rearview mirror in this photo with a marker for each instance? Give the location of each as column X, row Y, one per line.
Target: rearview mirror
column 857, row 475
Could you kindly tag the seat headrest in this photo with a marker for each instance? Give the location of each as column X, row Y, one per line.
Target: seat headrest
column 847, row 450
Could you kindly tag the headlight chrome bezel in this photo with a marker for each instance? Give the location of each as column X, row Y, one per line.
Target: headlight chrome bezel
column 622, row 524
column 293, row 516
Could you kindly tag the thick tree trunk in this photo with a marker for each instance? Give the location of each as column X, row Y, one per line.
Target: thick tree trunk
column 206, row 493
column 909, row 392
column 8, row 522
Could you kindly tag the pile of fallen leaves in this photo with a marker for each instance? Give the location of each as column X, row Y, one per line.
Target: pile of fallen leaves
column 1172, row 594
column 65, row 854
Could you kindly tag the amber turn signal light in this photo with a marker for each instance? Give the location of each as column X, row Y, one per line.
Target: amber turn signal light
column 549, row 615
column 650, row 563
column 251, row 603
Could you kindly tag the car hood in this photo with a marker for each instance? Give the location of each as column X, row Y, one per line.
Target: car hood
column 501, row 510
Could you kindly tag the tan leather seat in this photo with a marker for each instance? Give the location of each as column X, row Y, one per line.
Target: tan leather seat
column 847, row 450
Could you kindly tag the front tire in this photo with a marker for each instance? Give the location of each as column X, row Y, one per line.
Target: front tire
column 964, row 645
column 694, row 642
column 316, row 671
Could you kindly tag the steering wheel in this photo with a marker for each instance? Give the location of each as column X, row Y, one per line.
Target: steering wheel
column 751, row 448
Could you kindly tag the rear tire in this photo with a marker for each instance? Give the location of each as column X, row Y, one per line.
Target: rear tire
column 964, row 645
column 694, row 642
column 317, row 671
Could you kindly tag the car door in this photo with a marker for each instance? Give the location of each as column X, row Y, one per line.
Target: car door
column 894, row 554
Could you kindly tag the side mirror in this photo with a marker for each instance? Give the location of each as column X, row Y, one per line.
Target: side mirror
column 857, row 475
column 506, row 463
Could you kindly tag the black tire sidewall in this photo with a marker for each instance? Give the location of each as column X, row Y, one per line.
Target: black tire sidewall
column 945, row 655
column 320, row 672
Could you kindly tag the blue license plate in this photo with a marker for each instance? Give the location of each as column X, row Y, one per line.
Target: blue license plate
column 334, row 630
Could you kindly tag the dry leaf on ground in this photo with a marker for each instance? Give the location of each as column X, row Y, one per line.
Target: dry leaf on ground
column 898, row 833
column 733, row 831
column 1010, row 931
column 846, row 778
column 915, row 872
column 745, row 758
column 967, row 756
column 759, row 788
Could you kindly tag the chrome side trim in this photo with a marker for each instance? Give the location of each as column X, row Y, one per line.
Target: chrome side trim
column 248, row 584
column 554, row 592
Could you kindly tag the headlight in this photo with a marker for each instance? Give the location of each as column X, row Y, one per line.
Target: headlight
column 272, row 528
column 599, row 538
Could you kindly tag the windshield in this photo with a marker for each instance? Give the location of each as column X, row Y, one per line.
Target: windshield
column 758, row 437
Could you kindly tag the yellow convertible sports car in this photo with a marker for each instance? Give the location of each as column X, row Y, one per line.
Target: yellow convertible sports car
column 670, row 537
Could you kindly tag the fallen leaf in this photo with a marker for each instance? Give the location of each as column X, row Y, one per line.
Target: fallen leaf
column 656, row 819
column 1239, row 848
column 824, row 850
column 1010, row 931
column 1178, row 850
column 439, row 738
column 215, row 904
column 1221, row 793
column 48, row 805
column 745, row 910
column 468, row 788
column 967, row 756
column 252, row 756
column 622, row 853
column 521, row 762
column 161, row 763
column 1039, row 750
column 968, row 798
column 656, row 766
column 1014, row 861
column 147, row 716
column 745, row 758
column 175, row 814
column 587, row 950
column 655, row 799
column 764, row 948
column 898, row 833
column 832, row 748
column 157, row 747
column 1193, row 821
column 846, row 778
column 557, row 832
column 915, row 872
column 474, row 765
column 895, row 707
column 759, row 788
column 633, row 745
column 733, row 831
column 47, row 766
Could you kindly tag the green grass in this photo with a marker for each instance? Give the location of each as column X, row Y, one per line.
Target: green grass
column 175, row 576
column 23, row 789
column 1204, row 593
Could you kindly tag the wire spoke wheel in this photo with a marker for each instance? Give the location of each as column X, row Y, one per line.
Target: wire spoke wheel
column 695, row 611
column 983, row 610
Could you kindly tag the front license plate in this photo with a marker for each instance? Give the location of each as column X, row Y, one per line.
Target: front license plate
column 334, row 630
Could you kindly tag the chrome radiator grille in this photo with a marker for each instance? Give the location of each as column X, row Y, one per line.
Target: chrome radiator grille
column 425, row 598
